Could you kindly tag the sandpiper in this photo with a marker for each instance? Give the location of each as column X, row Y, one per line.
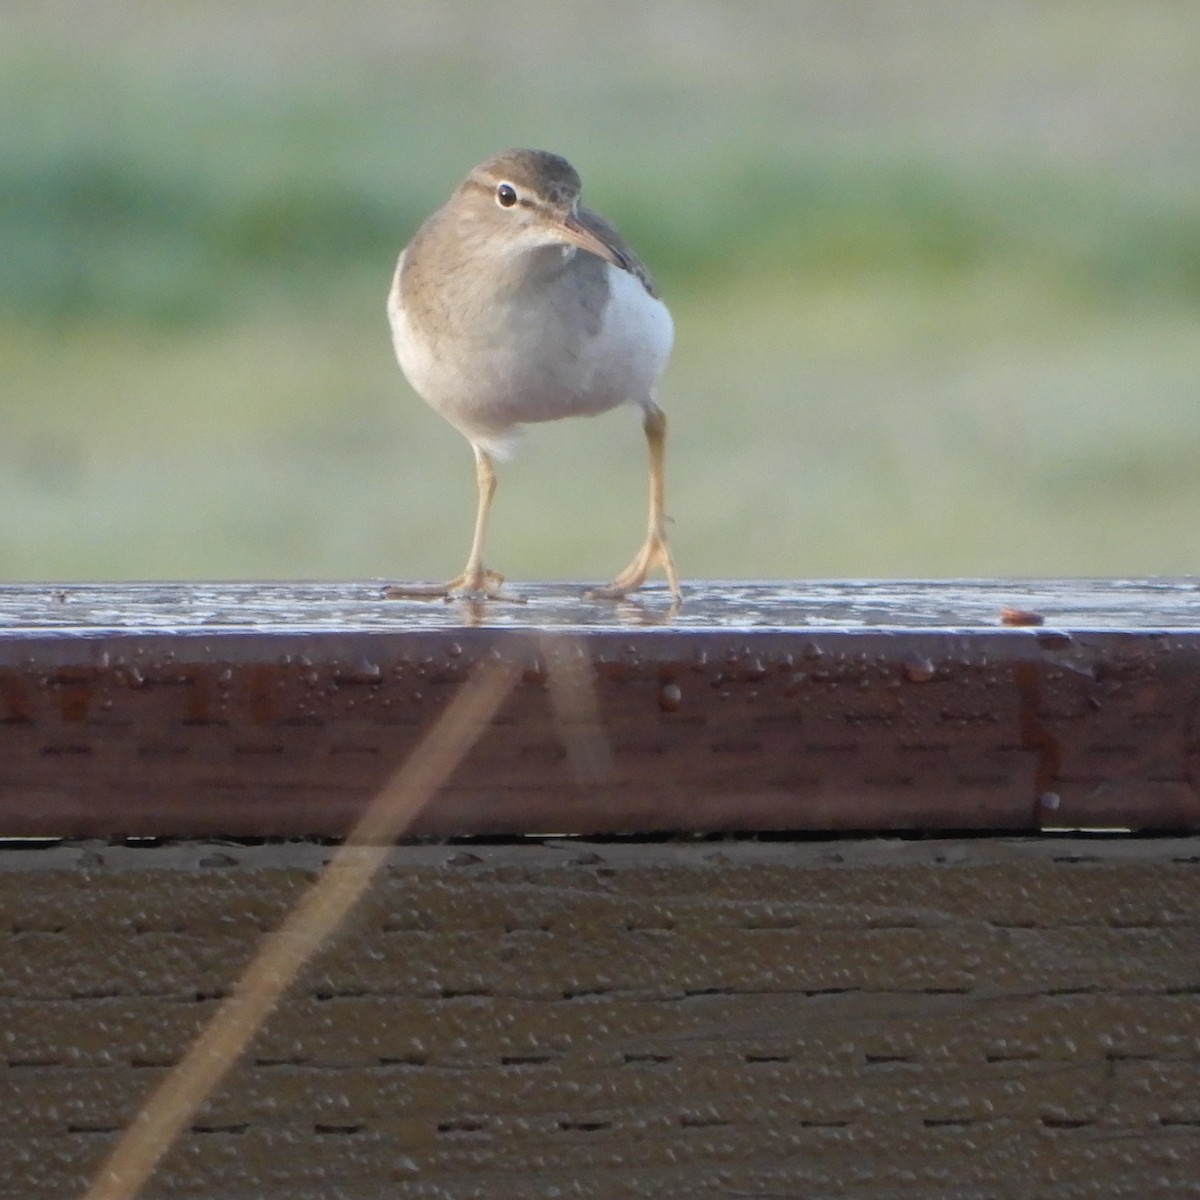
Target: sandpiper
column 512, row 305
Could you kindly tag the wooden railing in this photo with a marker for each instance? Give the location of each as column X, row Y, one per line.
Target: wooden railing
column 278, row 709
column 873, row 890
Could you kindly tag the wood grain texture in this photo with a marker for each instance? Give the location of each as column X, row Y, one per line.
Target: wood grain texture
column 279, row 709
column 844, row 1018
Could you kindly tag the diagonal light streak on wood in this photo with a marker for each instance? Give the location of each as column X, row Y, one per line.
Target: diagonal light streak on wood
column 571, row 680
column 283, row 954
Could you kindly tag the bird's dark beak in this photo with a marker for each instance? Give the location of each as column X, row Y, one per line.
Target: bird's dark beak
column 573, row 230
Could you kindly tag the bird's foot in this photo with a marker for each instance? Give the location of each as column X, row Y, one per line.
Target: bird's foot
column 481, row 584
column 654, row 553
column 476, row 584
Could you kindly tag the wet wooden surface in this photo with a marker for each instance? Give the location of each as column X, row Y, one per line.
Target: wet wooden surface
column 959, row 1019
column 709, row 607
column 265, row 709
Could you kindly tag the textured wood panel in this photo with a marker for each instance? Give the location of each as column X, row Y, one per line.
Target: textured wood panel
column 862, row 1019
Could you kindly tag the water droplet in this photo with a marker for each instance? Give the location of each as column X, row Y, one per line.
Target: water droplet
column 670, row 697
column 795, row 683
column 1054, row 639
column 364, row 671
column 918, row 668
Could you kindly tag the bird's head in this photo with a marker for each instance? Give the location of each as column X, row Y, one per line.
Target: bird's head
column 530, row 198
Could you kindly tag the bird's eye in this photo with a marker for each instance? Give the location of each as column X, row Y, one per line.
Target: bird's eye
column 506, row 195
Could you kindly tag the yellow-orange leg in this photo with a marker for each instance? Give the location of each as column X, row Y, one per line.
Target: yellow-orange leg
column 654, row 551
column 476, row 579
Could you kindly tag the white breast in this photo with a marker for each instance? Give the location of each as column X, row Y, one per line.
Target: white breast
column 634, row 342
column 520, row 370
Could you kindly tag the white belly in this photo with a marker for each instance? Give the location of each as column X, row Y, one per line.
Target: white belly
column 518, row 365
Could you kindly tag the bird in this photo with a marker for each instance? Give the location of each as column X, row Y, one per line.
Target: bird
column 512, row 305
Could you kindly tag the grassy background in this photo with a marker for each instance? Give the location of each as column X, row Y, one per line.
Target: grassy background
column 935, row 270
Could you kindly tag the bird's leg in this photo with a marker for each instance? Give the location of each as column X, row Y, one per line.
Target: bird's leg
column 654, row 551
column 475, row 576
column 475, row 579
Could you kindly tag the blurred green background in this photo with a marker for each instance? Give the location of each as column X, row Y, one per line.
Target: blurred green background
column 935, row 270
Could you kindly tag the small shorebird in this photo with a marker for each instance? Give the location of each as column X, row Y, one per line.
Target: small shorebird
column 512, row 304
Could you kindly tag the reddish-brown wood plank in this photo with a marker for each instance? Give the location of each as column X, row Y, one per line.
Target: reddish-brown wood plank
column 278, row 709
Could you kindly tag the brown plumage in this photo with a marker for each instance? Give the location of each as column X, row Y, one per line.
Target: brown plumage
column 514, row 305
